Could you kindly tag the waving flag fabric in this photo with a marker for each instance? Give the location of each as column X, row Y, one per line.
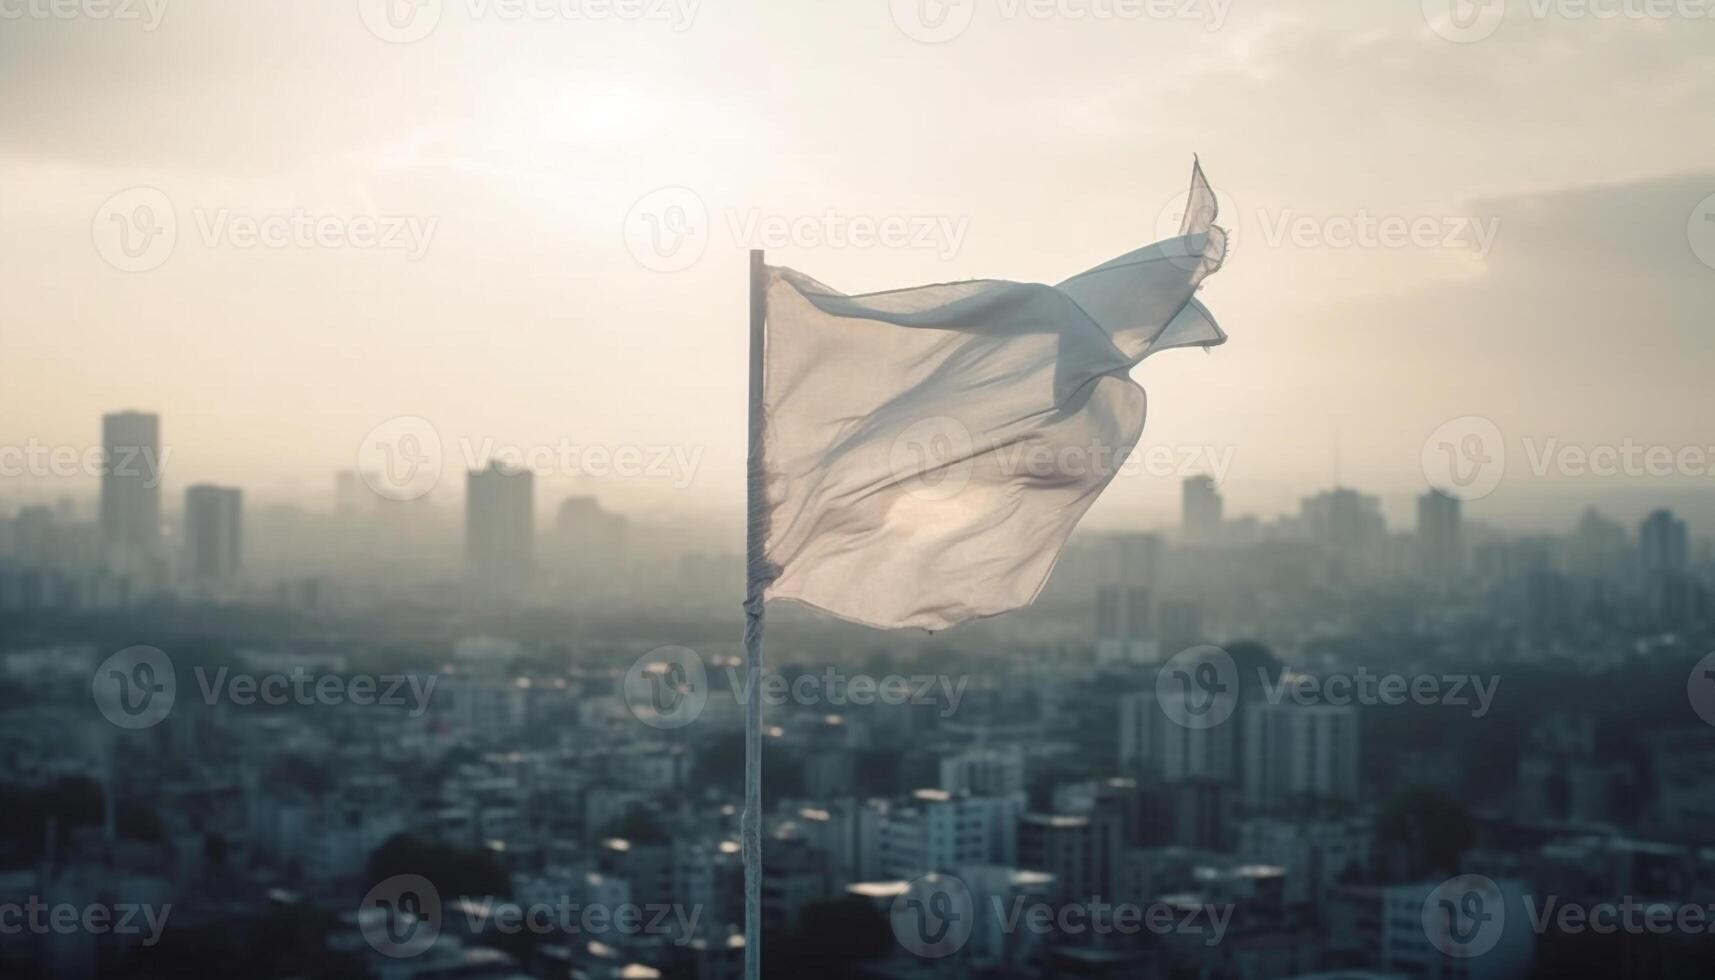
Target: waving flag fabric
column 926, row 452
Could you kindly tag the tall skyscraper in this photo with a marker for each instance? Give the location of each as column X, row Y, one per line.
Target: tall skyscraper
column 1298, row 752
column 500, row 526
column 1201, row 511
column 131, row 485
column 1600, row 546
column 592, row 540
column 1440, row 538
column 214, row 532
column 1662, row 543
column 1153, row 744
column 1346, row 521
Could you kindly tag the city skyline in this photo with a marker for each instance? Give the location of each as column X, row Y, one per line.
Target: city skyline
column 533, row 178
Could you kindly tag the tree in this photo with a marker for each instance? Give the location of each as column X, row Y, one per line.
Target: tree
column 1424, row 831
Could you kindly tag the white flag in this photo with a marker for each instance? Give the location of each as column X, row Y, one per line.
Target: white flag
column 926, row 452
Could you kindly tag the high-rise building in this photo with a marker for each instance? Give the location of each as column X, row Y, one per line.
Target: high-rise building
column 1124, row 629
column 1080, row 850
column 984, row 771
column 591, row 540
column 940, row 831
column 351, row 493
column 1152, row 743
column 1200, row 517
column 1599, row 546
column 1440, row 538
column 1662, row 543
column 1346, row 521
column 131, row 485
column 1298, row 752
column 500, row 526
column 214, row 532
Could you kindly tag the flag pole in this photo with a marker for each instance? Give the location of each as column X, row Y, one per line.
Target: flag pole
column 756, row 579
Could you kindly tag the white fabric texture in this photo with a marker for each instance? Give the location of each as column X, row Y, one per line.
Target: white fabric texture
column 926, row 452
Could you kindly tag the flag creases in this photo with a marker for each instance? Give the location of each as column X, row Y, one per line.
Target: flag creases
column 926, row 452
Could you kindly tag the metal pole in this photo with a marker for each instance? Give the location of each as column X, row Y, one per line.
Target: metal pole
column 756, row 580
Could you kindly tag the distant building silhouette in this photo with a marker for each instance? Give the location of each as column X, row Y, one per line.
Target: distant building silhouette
column 1440, row 535
column 1201, row 510
column 131, row 485
column 590, row 541
column 500, row 524
column 1662, row 543
column 214, row 532
column 1124, row 626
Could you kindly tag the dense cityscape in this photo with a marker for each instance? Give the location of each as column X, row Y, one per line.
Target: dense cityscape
column 361, row 738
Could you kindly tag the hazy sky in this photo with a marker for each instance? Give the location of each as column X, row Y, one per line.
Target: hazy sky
column 481, row 263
